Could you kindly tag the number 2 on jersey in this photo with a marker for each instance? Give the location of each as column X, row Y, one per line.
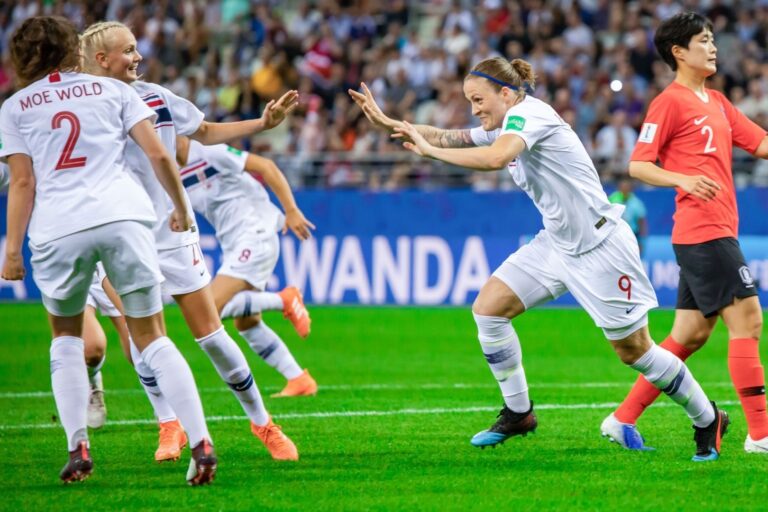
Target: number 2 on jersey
column 709, row 148
column 66, row 160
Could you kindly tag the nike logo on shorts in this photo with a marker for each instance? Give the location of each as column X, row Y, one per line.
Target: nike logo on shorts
column 630, row 310
column 700, row 120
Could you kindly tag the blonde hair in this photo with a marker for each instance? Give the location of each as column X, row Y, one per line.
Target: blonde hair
column 517, row 73
column 95, row 39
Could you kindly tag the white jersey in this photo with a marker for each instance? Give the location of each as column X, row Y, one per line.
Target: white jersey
column 175, row 115
column 75, row 128
column 558, row 175
column 5, row 176
column 230, row 199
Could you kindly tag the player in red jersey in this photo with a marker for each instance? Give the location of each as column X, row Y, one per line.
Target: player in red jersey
column 690, row 131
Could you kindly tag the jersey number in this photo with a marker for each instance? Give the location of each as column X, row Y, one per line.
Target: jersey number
column 66, row 160
column 707, row 130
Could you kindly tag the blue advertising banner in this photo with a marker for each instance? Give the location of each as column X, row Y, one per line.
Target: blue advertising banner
column 427, row 248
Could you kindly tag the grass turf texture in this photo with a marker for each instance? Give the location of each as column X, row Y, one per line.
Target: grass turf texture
column 402, row 363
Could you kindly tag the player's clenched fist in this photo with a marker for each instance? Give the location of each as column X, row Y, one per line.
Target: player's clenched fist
column 180, row 221
column 13, row 269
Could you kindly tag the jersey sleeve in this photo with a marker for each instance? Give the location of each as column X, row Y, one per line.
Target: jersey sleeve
column 658, row 127
column 746, row 133
column 134, row 109
column 11, row 140
column 226, row 159
column 528, row 124
column 481, row 137
column 187, row 118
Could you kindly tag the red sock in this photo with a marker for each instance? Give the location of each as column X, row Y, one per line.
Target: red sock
column 749, row 380
column 643, row 393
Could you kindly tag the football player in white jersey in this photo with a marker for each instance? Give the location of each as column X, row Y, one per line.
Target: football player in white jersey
column 109, row 49
column 584, row 248
column 64, row 136
column 94, row 338
column 221, row 189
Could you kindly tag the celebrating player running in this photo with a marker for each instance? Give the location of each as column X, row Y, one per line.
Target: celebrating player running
column 584, row 248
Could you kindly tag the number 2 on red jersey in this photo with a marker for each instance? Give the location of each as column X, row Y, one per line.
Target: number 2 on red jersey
column 66, row 160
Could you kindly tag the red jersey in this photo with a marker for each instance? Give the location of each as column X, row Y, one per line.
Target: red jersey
column 691, row 136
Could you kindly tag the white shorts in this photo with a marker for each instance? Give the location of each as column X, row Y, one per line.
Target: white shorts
column 609, row 281
column 184, row 270
column 253, row 260
column 63, row 268
column 98, row 298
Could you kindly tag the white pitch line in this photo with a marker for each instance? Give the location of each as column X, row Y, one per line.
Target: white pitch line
column 374, row 387
column 353, row 414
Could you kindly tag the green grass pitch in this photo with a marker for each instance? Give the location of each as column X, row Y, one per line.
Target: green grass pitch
column 401, row 393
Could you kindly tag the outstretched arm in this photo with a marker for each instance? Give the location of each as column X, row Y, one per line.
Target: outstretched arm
column 274, row 113
column 435, row 136
column 486, row 158
column 294, row 218
column 699, row 186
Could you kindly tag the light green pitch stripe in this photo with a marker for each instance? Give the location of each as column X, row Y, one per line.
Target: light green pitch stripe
column 353, row 414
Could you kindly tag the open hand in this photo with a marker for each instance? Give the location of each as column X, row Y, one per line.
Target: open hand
column 700, row 186
column 296, row 222
column 413, row 140
column 277, row 110
column 371, row 109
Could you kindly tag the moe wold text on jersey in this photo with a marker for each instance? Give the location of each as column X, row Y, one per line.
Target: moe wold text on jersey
column 46, row 96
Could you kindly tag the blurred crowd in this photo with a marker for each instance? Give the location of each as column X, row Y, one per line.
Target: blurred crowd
column 594, row 61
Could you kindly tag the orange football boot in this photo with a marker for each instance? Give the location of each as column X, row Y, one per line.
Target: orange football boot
column 295, row 311
column 279, row 445
column 303, row 385
column 172, row 441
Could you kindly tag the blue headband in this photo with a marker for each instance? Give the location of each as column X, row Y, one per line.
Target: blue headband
column 527, row 88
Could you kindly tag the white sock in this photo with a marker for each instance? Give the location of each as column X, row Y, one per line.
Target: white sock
column 667, row 372
column 249, row 303
column 95, row 371
column 71, row 389
column 232, row 366
column 175, row 380
column 503, row 353
column 272, row 350
column 161, row 407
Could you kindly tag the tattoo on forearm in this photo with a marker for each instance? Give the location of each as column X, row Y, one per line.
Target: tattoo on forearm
column 446, row 138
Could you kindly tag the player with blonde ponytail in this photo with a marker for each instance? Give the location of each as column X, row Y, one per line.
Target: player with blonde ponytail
column 585, row 246
column 109, row 49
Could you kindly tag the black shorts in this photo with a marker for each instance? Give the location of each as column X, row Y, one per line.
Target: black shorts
column 712, row 275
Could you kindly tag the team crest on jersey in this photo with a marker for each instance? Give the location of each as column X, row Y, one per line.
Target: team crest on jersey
column 156, row 103
column 648, row 132
column 516, row 123
column 746, row 276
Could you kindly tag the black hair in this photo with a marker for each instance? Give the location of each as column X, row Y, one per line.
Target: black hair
column 678, row 31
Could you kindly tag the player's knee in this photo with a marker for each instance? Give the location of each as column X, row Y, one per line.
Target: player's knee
column 245, row 323
column 94, row 358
